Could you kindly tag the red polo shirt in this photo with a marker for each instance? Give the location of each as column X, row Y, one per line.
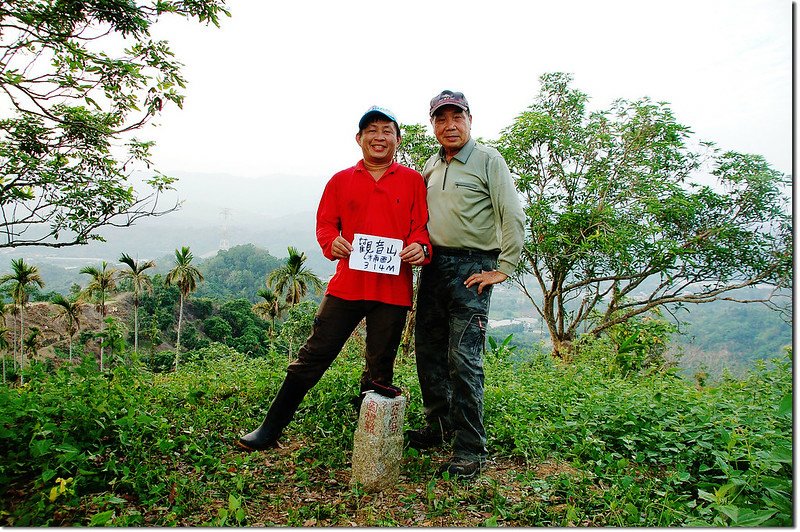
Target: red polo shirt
column 392, row 207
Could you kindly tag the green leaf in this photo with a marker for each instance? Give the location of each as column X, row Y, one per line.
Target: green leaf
column 751, row 518
column 490, row 522
column 102, row 518
column 234, row 502
column 782, row 454
column 732, row 512
column 785, row 407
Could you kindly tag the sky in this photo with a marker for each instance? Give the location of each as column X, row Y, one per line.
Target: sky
column 278, row 89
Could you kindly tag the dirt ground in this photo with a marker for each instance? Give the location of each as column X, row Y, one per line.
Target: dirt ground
column 53, row 328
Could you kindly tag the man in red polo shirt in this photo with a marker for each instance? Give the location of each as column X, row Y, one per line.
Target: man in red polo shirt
column 372, row 219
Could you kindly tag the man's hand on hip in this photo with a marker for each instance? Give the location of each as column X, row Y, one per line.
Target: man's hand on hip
column 485, row 279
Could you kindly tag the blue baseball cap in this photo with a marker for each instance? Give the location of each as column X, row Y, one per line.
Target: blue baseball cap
column 380, row 112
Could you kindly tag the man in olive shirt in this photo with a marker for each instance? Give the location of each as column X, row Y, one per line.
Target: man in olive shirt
column 476, row 226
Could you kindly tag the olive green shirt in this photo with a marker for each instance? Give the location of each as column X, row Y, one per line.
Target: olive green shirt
column 472, row 203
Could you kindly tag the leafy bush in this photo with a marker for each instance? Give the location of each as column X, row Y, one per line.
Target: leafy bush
column 190, row 337
column 296, row 328
column 201, row 307
column 724, row 450
column 239, row 315
column 217, row 329
column 133, row 448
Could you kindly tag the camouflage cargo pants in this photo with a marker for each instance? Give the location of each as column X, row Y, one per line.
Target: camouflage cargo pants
column 449, row 344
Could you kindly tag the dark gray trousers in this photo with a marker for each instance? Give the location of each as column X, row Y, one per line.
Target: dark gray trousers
column 335, row 321
column 449, row 345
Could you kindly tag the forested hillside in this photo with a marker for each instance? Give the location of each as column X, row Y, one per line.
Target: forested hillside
column 711, row 338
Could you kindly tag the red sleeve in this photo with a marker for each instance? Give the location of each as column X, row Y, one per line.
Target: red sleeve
column 419, row 216
column 328, row 222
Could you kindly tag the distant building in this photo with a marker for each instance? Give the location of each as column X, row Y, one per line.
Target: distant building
column 528, row 324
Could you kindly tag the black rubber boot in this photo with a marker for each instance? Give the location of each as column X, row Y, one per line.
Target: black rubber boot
column 279, row 415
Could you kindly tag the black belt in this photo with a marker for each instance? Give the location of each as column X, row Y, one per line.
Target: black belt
column 465, row 252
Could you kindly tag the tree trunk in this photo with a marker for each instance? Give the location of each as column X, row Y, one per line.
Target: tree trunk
column 563, row 349
column 21, row 347
column 408, row 331
column 178, row 341
column 102, row 328
column 14, row 342
column 136, row 329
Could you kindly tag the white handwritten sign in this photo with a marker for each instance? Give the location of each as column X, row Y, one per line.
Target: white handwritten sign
column 376, row 254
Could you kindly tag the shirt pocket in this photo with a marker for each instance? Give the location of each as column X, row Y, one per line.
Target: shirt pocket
column 466, row 186
column 470, row 194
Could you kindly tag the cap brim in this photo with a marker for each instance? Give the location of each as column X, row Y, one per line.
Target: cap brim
column 443, row 104
column 370, row 114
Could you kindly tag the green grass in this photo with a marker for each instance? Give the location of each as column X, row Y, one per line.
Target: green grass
column 571, row 445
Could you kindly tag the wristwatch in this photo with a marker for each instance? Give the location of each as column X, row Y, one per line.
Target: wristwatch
column 425, row 251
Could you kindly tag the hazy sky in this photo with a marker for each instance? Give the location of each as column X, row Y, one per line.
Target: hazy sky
column 279, row 88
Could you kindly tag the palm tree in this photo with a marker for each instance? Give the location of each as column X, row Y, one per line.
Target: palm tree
column 185, row 276
column 293, row 278
column 140, row 282
column 22, row 276
column 4, row 347
column 270, row 308
column 4, row 344
column 103, row 281
column 31, row 343
column 14, row 311
column 69, row 312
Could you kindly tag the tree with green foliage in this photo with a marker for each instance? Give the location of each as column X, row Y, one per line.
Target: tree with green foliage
column 237, row 272
column 14, row 311
column 77, row 79
column 217, row 329
column 69, row 313
column 416, row 146
column 22, row 278
column 620, row 222
column 270, row 308
column 297, row 326
column 103, row 282
column 185, row 276
column 293, row 278
column 32, row 341
column 140, row 282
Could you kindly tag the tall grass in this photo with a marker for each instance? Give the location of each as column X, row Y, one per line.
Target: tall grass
column 573, row 444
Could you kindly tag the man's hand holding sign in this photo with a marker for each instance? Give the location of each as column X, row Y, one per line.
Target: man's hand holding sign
column 413, row 254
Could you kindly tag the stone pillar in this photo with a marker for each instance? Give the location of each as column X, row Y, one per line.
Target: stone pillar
column 378, row 442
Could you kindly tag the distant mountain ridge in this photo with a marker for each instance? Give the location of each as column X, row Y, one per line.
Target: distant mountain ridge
column 272, row 212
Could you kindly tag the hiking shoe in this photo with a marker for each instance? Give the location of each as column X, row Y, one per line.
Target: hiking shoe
column 462, row 468
column 428, row 437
